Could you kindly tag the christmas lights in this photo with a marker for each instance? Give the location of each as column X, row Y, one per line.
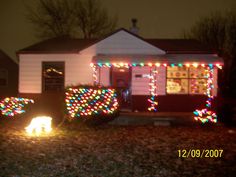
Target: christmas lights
column 90, row 101
column 127, row 65
column 13, row 106
column 209, row 115
column 95, row 77
column 206, row 115
column 153, row 89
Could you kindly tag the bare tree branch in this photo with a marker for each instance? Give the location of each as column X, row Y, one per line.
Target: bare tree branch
column 218, row 31
column 92, row 19
column 53, row 18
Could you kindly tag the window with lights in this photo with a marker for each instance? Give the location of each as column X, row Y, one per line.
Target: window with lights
column 186, row 80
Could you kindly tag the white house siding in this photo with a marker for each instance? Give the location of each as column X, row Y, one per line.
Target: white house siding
column 77, row 70
column 123, row 43
column 104, row 76
column 140, row 85
column 161, row 80
column 215, row 78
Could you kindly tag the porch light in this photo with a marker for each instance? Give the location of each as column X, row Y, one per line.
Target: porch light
column 121, row 64
column 219, row 66
column 187, row 65
column 195, row 65
column 39, row 125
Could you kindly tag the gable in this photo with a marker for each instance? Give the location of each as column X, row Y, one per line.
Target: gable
column 123, row 42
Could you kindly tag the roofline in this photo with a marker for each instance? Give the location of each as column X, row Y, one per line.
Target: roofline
column 47, row 52
column 190, row 52
column 108, row 35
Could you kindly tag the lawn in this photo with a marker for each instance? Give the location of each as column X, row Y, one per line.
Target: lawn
column 115, row 151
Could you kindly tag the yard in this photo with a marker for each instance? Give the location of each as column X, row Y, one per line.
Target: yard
column 110, row 151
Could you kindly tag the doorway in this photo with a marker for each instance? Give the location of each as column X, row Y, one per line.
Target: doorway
column 121, row 80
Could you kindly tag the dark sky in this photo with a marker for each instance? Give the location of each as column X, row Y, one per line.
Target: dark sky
column 156, row 18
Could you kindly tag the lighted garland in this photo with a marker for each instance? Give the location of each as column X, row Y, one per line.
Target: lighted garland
column 153, row 89
column 203, row 115
column 13, row 106
column 207, row 115
column 142, row 64
column 90, row 101
column 95, row 73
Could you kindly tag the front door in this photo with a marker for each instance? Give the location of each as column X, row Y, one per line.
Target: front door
column 121, row 80
column 53, row 76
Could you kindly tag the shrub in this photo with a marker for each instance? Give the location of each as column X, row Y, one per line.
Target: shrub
column 92, row 104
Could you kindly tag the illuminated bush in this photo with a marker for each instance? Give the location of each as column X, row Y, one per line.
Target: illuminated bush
column 91, row 102
column 13, row 106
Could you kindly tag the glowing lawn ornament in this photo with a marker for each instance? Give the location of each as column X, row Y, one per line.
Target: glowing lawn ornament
column 39, row 125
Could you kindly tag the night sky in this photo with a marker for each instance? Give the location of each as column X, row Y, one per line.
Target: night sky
column 156, row 18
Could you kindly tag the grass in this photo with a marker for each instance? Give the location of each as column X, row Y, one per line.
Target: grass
column 115, row 151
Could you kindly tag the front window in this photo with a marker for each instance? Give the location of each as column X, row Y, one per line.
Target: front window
column 186, row 80
column 53, row 76
column 3, row 77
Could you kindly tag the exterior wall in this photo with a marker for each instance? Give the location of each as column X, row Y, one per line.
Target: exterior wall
column 104, row 76
column 12, row 77
column 77, row 66
column 215, row 83
column 166, row 102
column 123, row 43
column 172, row 103
column 77, row 70
column 140, row 85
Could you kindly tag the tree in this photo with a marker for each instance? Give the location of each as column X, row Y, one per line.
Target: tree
column 75, row 18
column 92, row 19
column 52, row 18
column 218, row 31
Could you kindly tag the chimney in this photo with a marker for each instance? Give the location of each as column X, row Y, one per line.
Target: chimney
column 134, row 29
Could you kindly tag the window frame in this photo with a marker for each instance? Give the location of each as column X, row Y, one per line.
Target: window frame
column 44, row 63
column 188, row 78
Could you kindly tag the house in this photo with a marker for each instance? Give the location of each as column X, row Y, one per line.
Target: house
column 8, row 76
column 149, row 74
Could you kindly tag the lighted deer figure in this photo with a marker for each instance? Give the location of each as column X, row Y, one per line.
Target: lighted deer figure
column 39, row 125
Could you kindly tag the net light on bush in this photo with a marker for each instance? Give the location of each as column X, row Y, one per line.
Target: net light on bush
column 12, row 106
column 90, row 101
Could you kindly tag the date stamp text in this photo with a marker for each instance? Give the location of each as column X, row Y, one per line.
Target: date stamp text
column 200, row 153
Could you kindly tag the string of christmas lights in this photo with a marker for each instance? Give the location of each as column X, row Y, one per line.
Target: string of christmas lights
column 127, row 65
column 90, row 101
column 153, row 89
column 95, row 73
column 204, row 115
column 207, row 115
column 13, row 106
